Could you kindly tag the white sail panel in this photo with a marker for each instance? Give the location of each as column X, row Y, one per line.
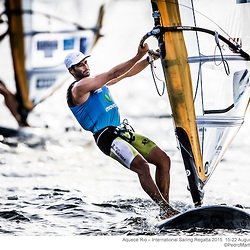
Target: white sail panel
column 220, row 75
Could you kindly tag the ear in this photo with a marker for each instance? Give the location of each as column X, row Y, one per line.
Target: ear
column 71, row 70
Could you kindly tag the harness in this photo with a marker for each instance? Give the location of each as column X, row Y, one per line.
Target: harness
column 105, row 136
column 125, row 131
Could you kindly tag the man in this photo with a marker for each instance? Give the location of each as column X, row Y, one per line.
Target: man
column 91, row 103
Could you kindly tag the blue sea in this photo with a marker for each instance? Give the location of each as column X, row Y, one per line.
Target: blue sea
column 56, row 182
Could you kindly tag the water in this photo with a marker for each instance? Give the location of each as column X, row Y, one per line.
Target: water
column 56, row 182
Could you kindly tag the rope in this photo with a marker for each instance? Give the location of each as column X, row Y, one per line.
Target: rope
column 225, row 63
column 151, row 62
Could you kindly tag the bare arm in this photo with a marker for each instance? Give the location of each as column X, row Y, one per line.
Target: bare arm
column 82, row 88
column 91, row 84
column 138, row 67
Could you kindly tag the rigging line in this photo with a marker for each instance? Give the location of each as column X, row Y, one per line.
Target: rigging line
column 217, row 64
column 155, row 76
column 151, row 62
column 182, row 146
column 199, row 80
column 203, row 111
column 211, row 20
column 195, row 24
column 225, row 63
column 192, row 4
column 199, row 77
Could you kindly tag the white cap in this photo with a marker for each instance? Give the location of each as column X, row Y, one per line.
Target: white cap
column 73, row 58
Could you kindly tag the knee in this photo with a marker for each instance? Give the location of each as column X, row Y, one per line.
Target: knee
column 164, row 163
column 159, row 158
column 140, row 166
column 162, row 160
column 167, row 160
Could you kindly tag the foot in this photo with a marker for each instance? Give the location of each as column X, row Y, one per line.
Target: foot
column 168, row 213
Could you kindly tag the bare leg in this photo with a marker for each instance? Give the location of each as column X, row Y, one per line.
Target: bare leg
column 162, row 176
column 141, row 167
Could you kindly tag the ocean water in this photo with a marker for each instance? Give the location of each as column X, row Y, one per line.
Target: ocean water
column 56, row 182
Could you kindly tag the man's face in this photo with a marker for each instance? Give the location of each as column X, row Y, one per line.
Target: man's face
column 80, row 70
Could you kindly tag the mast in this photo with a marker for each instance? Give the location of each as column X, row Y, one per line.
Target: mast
column 179, row 84
column 16, row 33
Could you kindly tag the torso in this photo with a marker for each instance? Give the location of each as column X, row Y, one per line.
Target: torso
column 98, row 111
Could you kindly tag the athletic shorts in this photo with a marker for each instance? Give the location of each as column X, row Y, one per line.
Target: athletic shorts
column 123, row 147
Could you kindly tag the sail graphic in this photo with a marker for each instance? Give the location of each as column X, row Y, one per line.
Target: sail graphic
column 205, row 58
column 41, row 33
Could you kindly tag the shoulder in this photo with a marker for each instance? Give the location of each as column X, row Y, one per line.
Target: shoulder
column 79, row 92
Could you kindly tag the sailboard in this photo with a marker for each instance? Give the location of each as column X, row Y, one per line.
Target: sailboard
column 205, row 59
column 209, row 217
column 41, row 33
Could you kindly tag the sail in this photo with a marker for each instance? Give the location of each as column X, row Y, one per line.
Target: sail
column 205, row 58
column 41, row 33
column 220, row 76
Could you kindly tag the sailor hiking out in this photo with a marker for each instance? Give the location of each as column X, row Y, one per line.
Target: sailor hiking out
column 91, row 103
